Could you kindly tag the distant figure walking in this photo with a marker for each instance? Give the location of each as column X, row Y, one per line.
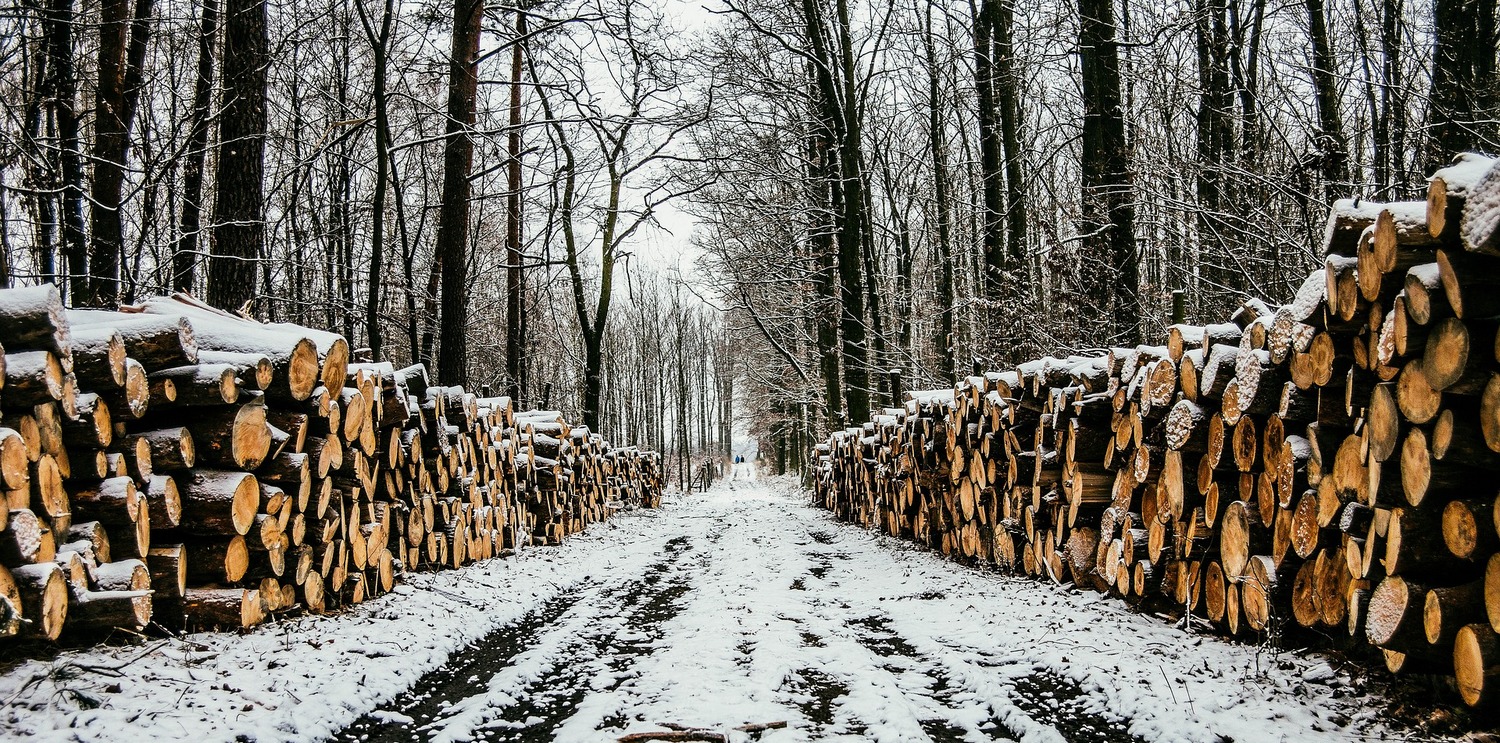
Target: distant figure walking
column 734, row 470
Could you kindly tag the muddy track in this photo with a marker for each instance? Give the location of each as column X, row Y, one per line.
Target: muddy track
column 875, row 634
column 643, row 605
column 1060, row 702
column 457, row 678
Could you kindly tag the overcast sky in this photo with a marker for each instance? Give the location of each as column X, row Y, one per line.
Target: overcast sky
column 667, row 249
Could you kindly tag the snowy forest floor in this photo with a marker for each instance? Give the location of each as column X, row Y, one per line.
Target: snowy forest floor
column 744, row 605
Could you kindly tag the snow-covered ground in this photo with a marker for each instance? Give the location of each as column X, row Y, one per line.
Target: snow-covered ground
column 741, row 606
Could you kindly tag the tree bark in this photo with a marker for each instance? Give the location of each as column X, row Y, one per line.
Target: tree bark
column 1332, row 148
column 836, row 99
column 39, row 175
column 515, row 279
column 1007, row 98
column 992, row 237
column 380, row 53
column 936, row 135
column 453, row 215
column 1108, row 219
column 1463, row 104
column 185, row 250
column 122, row 50
column 63, row 92
column 825, row 304
column 239, row 230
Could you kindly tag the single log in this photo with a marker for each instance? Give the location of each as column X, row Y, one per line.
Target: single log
column 113, row 502
column 218, row 503
column 1402, row 237
column 1449, row 608
column 98, row 357
column 171, row 448
column 1395, row 618
column 91, row 428
column 34, row 317
column 1448, row 190
column 163, row 502
column 1476, row 664
column 1265, row 589
column 1341, row 275
column 216, row 560
column 48, row 496
column 89, row 537
column 1305, row 532
column 1470, row 282
column 15, row 474
column 1347, row 220
column 203, row 384
column 240, row 608
column 157, row 341
column 1425, row 298
column 92, row 610
column 235, row 437
column 1416, row 398
column 25, row 540
column 1447, row 361
column 168, row 567
column 1241, row 535
column 44, row 598
column 1479, row 229
column 1468, row 528
column 32, row 378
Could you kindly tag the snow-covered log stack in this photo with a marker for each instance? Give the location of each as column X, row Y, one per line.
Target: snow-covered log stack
column 178, row 464
column 1328, row 463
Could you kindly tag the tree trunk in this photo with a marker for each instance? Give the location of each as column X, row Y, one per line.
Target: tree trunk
column 380, row 52
column 1393, row 93
column 39, row 175
column 936, row 136
column 836, row 99
column 1214, row 147
column 1332, row 148
column 1007, row 98
column 185, row 251
column 453, row 214
column 992, row 238
column 825, row 302
column 515, row 280
column 1463, row 105
column 239, row 231
column 1108, row 195
column 63, row 92
column 122, row 51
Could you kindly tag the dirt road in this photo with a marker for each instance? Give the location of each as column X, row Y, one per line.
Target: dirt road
column 755, row 608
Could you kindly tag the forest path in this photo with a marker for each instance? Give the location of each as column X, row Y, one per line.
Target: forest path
column 748, row 606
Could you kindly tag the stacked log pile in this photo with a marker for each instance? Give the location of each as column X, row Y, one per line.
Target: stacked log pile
column 1325, row 464
column 175, row 464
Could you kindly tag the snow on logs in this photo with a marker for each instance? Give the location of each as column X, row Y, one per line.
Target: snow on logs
column 1323, row 467
column 176, row 464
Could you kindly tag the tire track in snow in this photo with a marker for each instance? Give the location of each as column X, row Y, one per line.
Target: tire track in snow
column 431, row 694
column 868, row 681
column 547, row 663
column 1034, row 704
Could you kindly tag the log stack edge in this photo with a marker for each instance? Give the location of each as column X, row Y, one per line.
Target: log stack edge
column 1324, row 467
column 174, row 464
